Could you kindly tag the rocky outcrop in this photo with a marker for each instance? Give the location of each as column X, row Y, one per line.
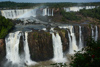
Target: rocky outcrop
column 2, row 49
column 40, row 45
column 64, row 38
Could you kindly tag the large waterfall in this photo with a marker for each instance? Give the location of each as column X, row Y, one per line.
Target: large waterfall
column 80, row 38
column 57, row 47
column 12, row 50
column 28, row 61
column 19, row 13
column 74, row 45
column 12, row 47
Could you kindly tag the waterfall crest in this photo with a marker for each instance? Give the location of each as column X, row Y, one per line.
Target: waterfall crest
column 57, row 47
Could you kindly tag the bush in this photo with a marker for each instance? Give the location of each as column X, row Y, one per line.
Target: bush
column 90, row 57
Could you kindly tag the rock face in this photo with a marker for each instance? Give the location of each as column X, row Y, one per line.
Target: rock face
column 40, row 45
column 2, row 49
column 64, row 38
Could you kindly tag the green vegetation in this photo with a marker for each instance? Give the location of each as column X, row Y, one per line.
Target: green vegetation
column 69, row 4
column 94, row 13
column 5, row 26
column 70, row 15
column 14, row 5
column 90, row 57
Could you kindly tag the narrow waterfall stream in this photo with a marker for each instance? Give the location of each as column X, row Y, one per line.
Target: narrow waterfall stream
column 96, row 33
column 58, row 51
column 80, row 38
column 71, row 51
column 28, row 60
column 12, row 47
column 92, row 32
column 74, row 46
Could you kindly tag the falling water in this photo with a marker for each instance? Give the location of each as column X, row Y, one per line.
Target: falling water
column 80, row 38
column 28, row 61
column 52, row 12
column 92, row 32
column 19, row 13
column 74, row 46
column 57, row 46
column 48, row 12
column 96, row 33
column 71, row 51
column 12, row 47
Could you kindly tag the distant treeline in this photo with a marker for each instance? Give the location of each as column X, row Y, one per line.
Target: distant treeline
column 14, row 5
column 94, row 13
column 66, row 4
column 75, row 16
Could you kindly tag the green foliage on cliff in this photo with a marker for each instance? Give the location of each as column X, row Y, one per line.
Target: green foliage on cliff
column 94, row 13
column 70, row 15
column 5, row 26
column 69, row 4
column 90, row 57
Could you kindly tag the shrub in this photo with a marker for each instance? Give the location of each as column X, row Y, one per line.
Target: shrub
column 90, row 57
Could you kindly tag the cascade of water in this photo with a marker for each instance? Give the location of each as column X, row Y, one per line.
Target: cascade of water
column 12, row 47
column 52, row 12
column 80, row 38
column 71, row 51
column 92, row 32
column 74, row 46
column 19, row 13
column 57, row 46
column 28, row 61
column 96, row 33
column 48, row 12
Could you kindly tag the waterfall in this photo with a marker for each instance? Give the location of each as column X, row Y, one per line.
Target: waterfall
column 57, row 47
column 45, row 12
column 74, row 46
column 96, row 33
column 28, row 60
column 80, row 38
column 48, row 12
column 52, row 12
column 92, row 32
column 12, row 47
column 71, row 51
column 19, row 13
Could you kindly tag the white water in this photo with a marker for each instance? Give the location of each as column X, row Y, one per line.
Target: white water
column 12, row 47
column 19, row 13
column 74, row 46
column 57, row 47
column 71, row 51
column 92, row 32
column 80, row 38
column 52, row 12
column 48, row 13
column 28, row 60
column 96, row 33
